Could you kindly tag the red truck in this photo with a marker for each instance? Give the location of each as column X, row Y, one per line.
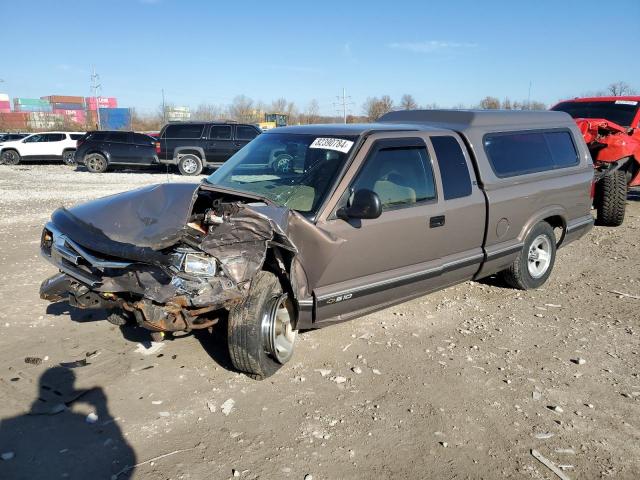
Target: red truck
column 611, row 128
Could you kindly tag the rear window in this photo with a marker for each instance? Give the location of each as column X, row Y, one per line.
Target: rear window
column 246, row 133
column 512, row 154
column 456, row 181
column 184, row 131
column 142, row 139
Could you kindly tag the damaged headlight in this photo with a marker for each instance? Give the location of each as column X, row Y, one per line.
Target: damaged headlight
column 199, row 265
column 188, row 261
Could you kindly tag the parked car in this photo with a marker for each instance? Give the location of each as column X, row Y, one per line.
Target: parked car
column 40, row 146
column 8, row 137
column 611, row 128
column 366, row 217
column 101, row 150
column 193, row 146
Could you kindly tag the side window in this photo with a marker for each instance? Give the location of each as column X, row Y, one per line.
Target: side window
column 184, row 131
column 76, row 136
column 220, row 132
column 56, row 137
column 456, row 182
column 512, row 154
column 118, row 137
column 401, row 176
column 98, row 136
column 141, row 139
column 244, row 132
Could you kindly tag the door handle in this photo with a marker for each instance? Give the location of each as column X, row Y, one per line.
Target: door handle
column 237, row 144
column 437, row 221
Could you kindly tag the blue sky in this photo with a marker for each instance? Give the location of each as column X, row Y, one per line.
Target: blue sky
column 205, row 51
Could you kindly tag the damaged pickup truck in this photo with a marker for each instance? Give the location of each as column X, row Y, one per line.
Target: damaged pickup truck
column 312, row 225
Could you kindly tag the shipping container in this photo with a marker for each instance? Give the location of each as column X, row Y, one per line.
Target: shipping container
column 13, row 121
column 4, row 97
column 63, row 99
column 77, row 116
column 29, row 101
column 101, row 102
column 67, row 106
column 31, row 107
column 5, row 105
column 45, row 120
column 115, row 118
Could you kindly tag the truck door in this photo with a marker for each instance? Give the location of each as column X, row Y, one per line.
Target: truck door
column 143, row 149
column 220, row 144
column 119, row 146
column 415, row 244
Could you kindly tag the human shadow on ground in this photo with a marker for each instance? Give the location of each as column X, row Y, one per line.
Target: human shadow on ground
column 51, row 441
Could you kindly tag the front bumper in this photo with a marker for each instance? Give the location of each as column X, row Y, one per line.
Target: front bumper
column 154, row 298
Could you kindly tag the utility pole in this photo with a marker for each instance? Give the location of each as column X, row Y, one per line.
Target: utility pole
column 529, row 97
column 95, row 90
column 343, row 102
column 164, row 109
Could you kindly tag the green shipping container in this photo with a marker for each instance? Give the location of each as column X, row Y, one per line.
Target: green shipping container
column 30, row 101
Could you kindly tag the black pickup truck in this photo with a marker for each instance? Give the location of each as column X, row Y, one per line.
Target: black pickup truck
column 195, row 145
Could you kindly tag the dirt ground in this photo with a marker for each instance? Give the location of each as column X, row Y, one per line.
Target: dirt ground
column 460, row 384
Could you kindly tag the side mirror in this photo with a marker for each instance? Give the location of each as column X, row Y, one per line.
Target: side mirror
column 366, row 204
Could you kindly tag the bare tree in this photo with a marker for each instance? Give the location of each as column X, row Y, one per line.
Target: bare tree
column 506, row 104
column 431, row 106
column 208, row 112
column 241, row 109
column 407, row 102
column 312, row 114
column 619, row 89
column 375, row 107
column 489, row 103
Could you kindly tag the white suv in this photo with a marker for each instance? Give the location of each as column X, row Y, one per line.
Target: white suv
column 41, row 146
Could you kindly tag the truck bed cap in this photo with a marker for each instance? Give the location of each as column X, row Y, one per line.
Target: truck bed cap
column 465, row 119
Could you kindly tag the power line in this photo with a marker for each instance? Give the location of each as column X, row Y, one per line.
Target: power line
column 343, row 103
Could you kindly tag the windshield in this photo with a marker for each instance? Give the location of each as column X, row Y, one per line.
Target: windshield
column 291, row 170
column 621, row 112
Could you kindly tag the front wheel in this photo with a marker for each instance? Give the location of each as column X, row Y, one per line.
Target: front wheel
column 96, row 163
column 611, row 199
column 262, row 330
column 190, row 165
column 11, row 157
column 69, row 158
column 532, row 267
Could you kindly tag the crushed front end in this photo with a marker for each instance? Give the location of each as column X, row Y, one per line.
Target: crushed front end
column 169, row 257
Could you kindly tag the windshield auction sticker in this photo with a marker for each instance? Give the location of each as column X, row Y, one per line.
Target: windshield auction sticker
column 337, row 144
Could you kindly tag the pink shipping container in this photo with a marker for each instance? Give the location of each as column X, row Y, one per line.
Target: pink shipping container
column 77, row 116
column 101, row 102
column 5, row 106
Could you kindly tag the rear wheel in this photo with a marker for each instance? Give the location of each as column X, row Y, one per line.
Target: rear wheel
column 532, row 267
column 11, row 157
column 190, row 165
column 69, row 158
column 611, row 199
column 262, row 331
column 96, row 163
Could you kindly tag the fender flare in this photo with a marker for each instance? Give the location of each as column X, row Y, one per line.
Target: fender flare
column 179, row 151
column 556, row 211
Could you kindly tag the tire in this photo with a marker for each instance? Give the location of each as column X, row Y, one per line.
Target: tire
column 531, row 269
column 11, row 157
column 611, row 199
column 251, row 340
column 69, row 158
column 190, row 165
column 96, row 163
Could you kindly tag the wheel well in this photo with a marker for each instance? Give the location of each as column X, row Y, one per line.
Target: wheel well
column 557, row 223
column 189, row 152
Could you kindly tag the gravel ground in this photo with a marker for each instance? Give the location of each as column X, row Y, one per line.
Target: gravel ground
column 463, row 383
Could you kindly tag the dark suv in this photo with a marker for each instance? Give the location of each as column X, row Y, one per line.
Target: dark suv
column 100, row 150
column 195, row 145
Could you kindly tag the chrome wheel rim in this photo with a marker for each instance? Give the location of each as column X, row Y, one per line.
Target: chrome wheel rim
column 539, row 257
column 278, row 332
column 189, row 165
column 95, row 163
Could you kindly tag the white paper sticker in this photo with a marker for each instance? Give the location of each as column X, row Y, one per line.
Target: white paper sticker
column 626, row 102
column 337, row 144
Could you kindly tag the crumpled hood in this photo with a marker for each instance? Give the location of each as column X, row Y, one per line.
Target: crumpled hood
column 150, row 217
